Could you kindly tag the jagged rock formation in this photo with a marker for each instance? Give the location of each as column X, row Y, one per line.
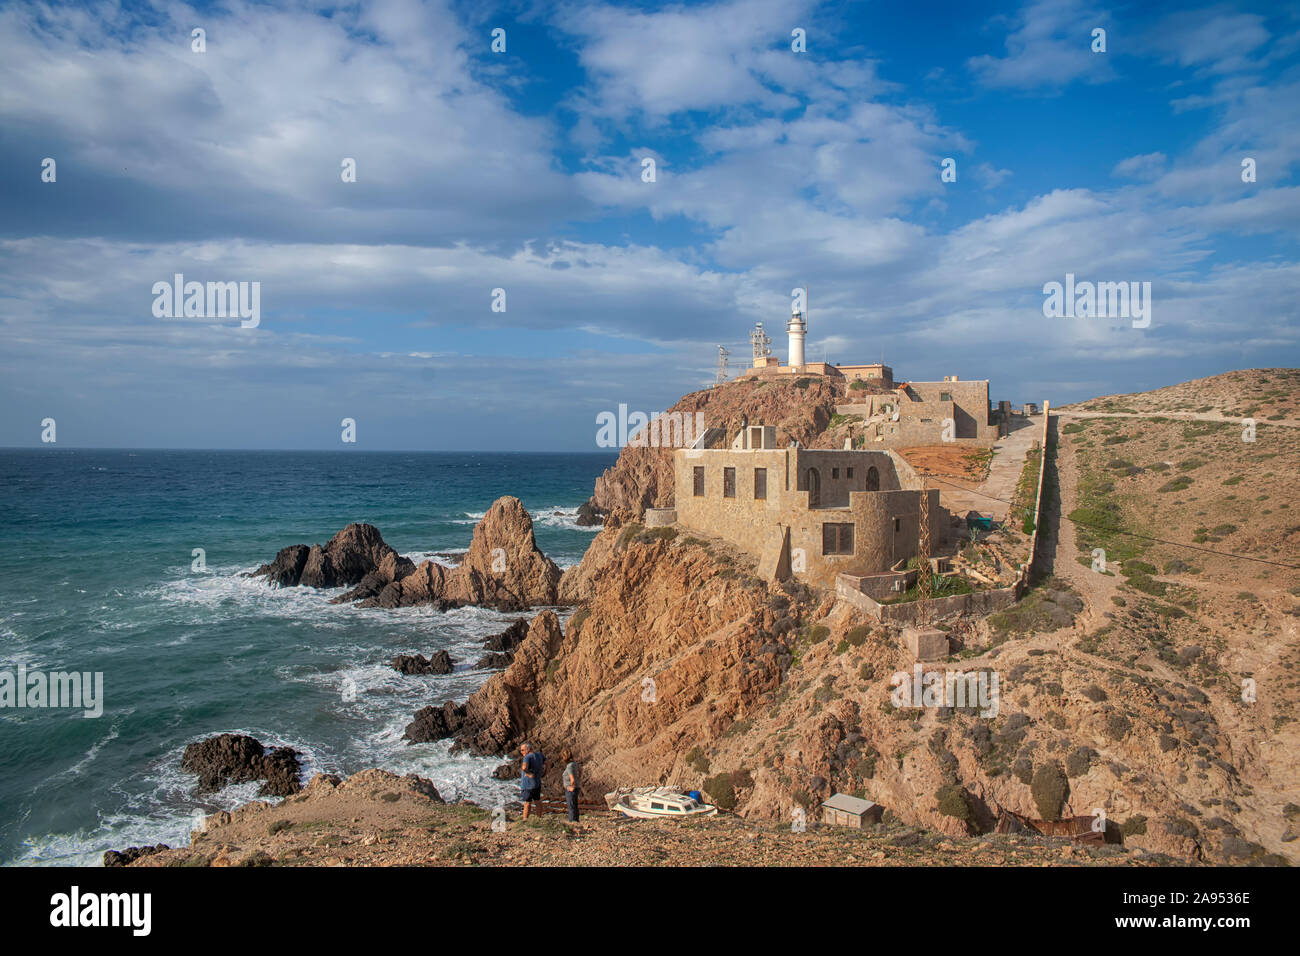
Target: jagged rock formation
column 238, row 758
column 347, row 558
column 643, row 477
column 503, row 568
column 439, row 663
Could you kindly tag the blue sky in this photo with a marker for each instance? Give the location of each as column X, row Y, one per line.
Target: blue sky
column 522, row 170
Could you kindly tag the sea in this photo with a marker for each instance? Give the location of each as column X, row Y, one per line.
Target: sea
column 131, row 564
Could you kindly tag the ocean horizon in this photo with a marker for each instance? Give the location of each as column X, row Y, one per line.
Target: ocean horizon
column 100, row 573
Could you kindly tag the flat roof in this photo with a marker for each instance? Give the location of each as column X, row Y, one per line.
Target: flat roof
column 848, row 804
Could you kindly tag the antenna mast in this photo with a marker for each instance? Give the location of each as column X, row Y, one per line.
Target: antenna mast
column 759, row 340
column 722, row 365
column 924, row 584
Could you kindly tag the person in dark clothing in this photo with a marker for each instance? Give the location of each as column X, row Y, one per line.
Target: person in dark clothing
column 569, row 780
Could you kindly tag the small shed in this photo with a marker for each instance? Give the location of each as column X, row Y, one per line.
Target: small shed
column 843, row 810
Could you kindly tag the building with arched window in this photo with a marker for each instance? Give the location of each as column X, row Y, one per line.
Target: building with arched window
column 803, row 512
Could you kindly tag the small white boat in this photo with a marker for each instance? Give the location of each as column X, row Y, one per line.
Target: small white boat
column 657, row 802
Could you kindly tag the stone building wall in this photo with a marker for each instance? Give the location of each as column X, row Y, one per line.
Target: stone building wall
column 784, row 530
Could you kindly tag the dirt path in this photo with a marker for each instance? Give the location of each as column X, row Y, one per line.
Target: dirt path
column 1181, row 416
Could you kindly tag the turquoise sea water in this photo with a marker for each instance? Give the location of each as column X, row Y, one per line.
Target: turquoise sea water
column 96, row 575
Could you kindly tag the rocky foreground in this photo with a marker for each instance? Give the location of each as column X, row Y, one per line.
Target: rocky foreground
column 375, row 818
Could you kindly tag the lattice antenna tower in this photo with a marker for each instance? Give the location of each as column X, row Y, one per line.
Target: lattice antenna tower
column 759, row 340
column 722, row 365
column 924, row 584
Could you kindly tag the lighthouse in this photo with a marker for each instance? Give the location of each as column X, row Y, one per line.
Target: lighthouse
column 797, row 328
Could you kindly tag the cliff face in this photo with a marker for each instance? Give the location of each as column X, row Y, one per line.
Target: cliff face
column 674, row 644
column 682, row 667
column 643, row 477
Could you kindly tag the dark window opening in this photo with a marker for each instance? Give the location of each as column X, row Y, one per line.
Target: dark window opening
column 813, row 485
column 837, row 539
column 728, row 482
column 945, row 396
column 898, row 525
column 760, row 483
column 699, row 481
column 848, row 472
column 835, row 472
column 873, row 479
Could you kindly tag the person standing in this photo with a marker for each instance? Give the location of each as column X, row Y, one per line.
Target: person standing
column 569, row 779
column 530, row 779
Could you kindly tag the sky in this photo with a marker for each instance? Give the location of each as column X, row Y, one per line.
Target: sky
column 524, row 170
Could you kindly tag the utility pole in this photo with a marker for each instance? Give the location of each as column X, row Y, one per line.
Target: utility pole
column 722, row 365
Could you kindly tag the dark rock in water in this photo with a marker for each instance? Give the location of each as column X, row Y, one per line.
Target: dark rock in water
column 493, row 662
column 435, row 723
column 131, row 854
column 238, row 758
column 507, row 771
column 509, row 639
column 347, row 559
column 440, row 663
column 589, row 515
column 286, row 570
column 281, row 769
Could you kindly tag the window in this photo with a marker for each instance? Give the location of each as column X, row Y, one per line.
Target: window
column 945, row 396
column 699, row 481
column 728, row 482
column 848, row 472
column 656, row 806
column 837, row 538
column 873, row 479
column 835, row 472
column 898, row 526
column 760, row 484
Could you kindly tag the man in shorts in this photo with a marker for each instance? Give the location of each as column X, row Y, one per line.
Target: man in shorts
column 530, row 779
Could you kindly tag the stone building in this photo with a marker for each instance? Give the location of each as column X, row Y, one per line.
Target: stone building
column 807, row 513
column 926, row 413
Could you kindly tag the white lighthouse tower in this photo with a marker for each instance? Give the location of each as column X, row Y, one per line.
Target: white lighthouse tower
column 797, row 328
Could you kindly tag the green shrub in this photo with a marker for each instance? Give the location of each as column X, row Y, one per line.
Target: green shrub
column 954, row 801
column 1118, row 726
column 858, row 635
column 1134, row 825
column 1049, row 788
column 1079, row 762
column 577, row 620
column 1023, row 770
column 697, row 760
column 721, row 791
